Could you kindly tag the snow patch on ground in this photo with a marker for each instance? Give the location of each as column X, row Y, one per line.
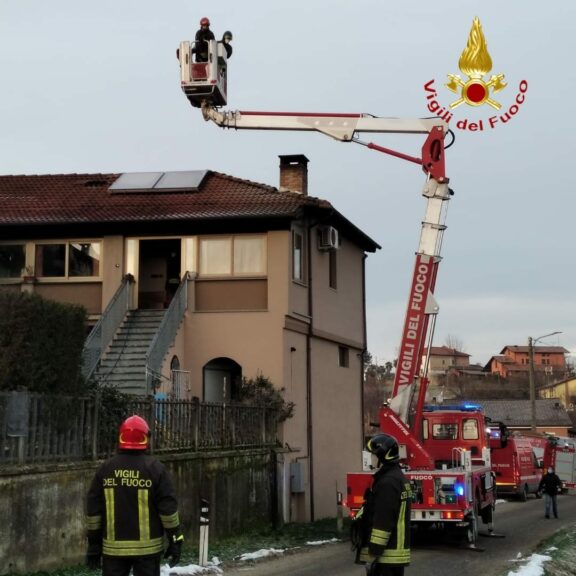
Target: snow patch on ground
column 260, row 554
column 190, row 570
column 534, row 567
column 320, row 542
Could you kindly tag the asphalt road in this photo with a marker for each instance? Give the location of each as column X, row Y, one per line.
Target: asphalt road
column 522, row 524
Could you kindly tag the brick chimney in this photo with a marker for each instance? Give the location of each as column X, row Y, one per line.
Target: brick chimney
column 294, row 173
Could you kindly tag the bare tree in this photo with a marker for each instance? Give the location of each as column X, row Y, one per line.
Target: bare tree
column 454, row 342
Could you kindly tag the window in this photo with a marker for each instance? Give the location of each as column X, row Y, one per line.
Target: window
column 83, row 259
column 445, row 431
column 333, row 269
column 470, row 429
column 298, row 256
column 343, row 357
column 12, row 260
column 67, row 260
column 233, row 256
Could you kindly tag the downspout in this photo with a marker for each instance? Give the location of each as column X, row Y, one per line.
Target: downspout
column 309, row 373
column 364, row 348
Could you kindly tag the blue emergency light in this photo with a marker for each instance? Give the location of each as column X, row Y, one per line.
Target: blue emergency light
column 458, row 407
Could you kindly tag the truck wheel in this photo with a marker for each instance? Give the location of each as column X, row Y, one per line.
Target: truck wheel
column 524, row 493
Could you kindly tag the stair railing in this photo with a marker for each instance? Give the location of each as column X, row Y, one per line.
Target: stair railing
column 101, row 335
column 165, row 335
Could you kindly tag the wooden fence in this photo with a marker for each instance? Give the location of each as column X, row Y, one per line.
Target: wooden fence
column 38, row 428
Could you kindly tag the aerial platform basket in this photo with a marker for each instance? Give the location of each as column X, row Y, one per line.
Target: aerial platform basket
column 204, row 81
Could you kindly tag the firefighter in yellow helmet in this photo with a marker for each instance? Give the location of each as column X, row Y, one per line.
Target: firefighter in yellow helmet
column 386, row 512
column 130, row 505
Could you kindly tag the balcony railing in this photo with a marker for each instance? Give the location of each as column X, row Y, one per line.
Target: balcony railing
column 103, row 332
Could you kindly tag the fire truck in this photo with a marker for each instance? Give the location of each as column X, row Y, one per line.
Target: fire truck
column 561, row 456
column 446, row 452
column 518, row 460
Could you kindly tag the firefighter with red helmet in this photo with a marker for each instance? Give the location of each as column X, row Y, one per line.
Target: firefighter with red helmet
column 130, row 505
column 386, row 512
column 203, row 35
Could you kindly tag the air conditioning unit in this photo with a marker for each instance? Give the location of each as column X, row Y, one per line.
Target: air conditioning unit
column 328, row 238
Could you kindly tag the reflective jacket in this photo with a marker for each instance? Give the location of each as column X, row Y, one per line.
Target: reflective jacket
column 387, row 511
column 130, row 503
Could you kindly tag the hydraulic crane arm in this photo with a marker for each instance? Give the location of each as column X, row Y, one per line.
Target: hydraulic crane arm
column 345, row 128
column 342, row 127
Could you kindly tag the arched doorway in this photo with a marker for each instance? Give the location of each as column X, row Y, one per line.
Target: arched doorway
column 222, row 377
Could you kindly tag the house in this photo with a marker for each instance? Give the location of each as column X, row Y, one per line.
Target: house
column 443, row 358
column 196, row 279
column 564, row 390
column 551, row 417
column 514, row 361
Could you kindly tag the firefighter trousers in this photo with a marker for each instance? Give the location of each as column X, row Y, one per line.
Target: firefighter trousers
column 140, row 565
column 384, row 570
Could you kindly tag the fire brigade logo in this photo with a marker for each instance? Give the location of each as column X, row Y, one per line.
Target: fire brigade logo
column 475, row 88
column 475, row 62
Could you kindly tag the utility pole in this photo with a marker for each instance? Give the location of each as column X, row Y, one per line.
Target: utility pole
column 531, row 378
column 532, row 383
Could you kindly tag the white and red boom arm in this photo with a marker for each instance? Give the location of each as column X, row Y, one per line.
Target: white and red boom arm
column 339, row 126
column 346, row 127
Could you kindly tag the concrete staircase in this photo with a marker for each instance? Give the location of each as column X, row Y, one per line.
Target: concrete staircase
column 124, row 363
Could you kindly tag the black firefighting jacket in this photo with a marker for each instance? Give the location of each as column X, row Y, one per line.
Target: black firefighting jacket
column 130, row 503
column 387, row 511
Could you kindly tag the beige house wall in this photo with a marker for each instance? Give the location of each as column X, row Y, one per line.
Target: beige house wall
column 282, row 342
column 337, row 312
column 564, row 391
column 112, row 266
column 337, row 424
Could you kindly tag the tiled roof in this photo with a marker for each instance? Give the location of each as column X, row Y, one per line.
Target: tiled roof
column 77, row 199
column 503, row 359
column 68, row 198
column 549, row 412
column 444, row 351
column 538, row 349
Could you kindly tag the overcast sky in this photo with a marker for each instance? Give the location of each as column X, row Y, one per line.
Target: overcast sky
column 94, row 87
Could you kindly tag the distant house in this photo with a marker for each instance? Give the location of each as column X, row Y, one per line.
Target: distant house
column 514, row 361
column 198, row 279
column 564, row 390
column 551, row 416
column 443, row 358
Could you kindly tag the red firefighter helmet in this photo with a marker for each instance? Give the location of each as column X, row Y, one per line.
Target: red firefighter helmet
column 204, row 22
column 134, row 434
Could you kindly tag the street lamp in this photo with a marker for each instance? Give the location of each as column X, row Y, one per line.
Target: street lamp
column 531, row 343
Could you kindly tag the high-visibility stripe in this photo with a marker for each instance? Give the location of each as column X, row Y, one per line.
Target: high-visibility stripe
column 170, row 521
column 132, row 547
column 401, row 526
column 110, row 520
column 379, row 537
column 94, row 522
column 395, row 557
column 143, row 515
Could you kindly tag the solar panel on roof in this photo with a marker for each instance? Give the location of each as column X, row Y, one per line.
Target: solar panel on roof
column 136, row 181
column 158, row 181
column 190, row 179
